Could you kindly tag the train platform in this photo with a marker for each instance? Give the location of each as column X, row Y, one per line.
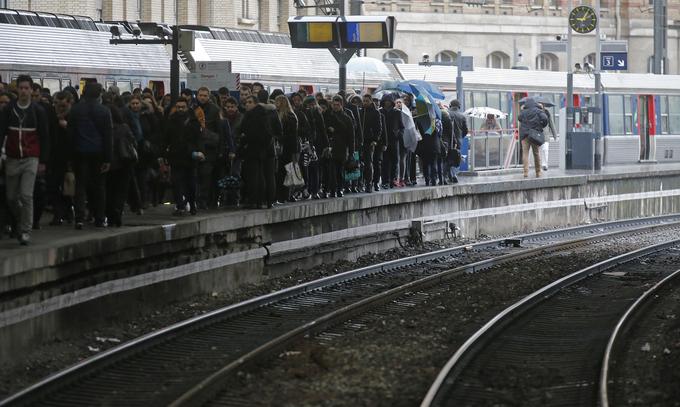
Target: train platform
column 85, row 272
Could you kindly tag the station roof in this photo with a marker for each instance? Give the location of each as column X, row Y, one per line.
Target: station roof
column 267, row 61
column 33, row 48
column 523, row 80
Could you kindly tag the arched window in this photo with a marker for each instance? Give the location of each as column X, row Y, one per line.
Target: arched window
column 498, row 59
column 446, row 57
column 394, row 55
column 547, row 62
column 590, row 58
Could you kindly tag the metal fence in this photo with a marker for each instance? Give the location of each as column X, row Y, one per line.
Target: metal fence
column 489, row 150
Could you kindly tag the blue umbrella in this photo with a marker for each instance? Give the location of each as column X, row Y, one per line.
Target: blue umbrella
column 414, row 87
column 429, row 87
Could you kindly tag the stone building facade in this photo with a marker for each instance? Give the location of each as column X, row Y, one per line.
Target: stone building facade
column 497, row 33
column 503, row 33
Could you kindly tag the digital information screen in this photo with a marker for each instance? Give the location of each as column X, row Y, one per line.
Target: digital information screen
column 364, row 32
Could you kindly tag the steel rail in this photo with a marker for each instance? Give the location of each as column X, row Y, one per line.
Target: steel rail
column 137, row 345
column 624, row 323
column 212, row 385
column 456, row 364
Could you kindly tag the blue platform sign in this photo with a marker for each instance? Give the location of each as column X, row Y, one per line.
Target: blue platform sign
column 614, row 61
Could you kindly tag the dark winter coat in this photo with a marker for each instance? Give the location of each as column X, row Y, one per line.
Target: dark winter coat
column 182, row 138
column 121, row 133
column 91, row 128
column 340, row 130
column 393, row 125
column 459, row 124
column 531, row 117
column 25, row 132
column 318, row 135
column 289, row 139
column 259, row 127
column 371, row 125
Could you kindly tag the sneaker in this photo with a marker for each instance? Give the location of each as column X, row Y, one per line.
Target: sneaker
column 454, row 179
column 545, row 168
column 24, row 238
column 79, row 225
column 376, row 188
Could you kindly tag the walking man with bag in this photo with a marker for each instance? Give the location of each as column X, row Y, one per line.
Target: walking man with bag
column 532, row 120
column 24, row 134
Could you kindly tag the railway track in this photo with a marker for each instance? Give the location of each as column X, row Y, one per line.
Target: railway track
column 171, row 365
column 633, row 371
column 547, row 349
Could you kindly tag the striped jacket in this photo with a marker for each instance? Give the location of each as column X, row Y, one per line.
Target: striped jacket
column 25, row 132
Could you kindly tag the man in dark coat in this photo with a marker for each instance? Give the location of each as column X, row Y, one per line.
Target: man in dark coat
column 531, row 119
column 212, row 137
column 394, row 135
column 340, row 129
column 371, row 126
column 24, row 133
column 460, row 130
column 260, row 127
column 183, row 152
column 91, row 129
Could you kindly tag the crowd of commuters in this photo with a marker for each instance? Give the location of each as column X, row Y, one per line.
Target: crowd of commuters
column 95, row 156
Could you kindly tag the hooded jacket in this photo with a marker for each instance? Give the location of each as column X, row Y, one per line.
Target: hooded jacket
column 531, row 117
column 25, row 132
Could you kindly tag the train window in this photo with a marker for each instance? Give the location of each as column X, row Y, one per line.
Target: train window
column 29, row 18
column 65, row 83
column 108, row 84
column 124, row 86
column 68, row 22
column 662, row 109
column 9, row 17
column 53, row 84
column 49, row 20
column 674, row 114
column 86, row 23
column 628, row 114
column 616, row 114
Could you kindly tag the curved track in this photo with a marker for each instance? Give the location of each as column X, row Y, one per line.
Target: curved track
column 158, row 368
column 547, row 348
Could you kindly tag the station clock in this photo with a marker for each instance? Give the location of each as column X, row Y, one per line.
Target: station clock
column 582, row 19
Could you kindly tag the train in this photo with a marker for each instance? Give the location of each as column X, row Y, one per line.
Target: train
column 641, row 112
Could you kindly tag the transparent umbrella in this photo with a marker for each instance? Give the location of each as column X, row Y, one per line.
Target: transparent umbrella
column 482, row 112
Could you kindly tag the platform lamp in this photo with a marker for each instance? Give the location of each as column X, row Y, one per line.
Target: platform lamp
column 166, row 36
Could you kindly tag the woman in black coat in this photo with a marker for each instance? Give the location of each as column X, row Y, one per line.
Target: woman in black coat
column 291, row 145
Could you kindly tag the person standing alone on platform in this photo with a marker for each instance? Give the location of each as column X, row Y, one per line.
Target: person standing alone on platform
column 24, row 134
column 460, row 131
column 532, row 120
column 91, row 129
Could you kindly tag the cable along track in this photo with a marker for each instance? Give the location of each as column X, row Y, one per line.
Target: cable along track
column 157, row 368
column 547, row 349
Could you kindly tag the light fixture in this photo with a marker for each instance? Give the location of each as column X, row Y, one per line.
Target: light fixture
column 115, row 31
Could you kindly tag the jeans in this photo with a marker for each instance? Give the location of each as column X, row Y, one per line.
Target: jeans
column 20, row 175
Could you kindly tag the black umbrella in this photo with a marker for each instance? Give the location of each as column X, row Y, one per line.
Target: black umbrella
column 538, row 99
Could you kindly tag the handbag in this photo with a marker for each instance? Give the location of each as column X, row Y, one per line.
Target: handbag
column 352, row 168
column 293, row 175
column 3, row 156
column 536, row 137
column 454, row 157
column 127, row 150
column 69, row 188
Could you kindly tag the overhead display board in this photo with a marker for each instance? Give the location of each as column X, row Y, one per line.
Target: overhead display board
column 341, row 32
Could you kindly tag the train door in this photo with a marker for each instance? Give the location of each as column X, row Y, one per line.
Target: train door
column 85, row 81
column 646, row 127
column 158, row 88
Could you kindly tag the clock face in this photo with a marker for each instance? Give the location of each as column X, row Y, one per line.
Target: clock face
column 582, row 19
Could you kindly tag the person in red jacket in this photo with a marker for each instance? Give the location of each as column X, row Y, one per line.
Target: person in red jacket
column 24, row 135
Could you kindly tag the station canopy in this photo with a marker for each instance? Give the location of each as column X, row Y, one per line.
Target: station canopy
column 342, row 32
